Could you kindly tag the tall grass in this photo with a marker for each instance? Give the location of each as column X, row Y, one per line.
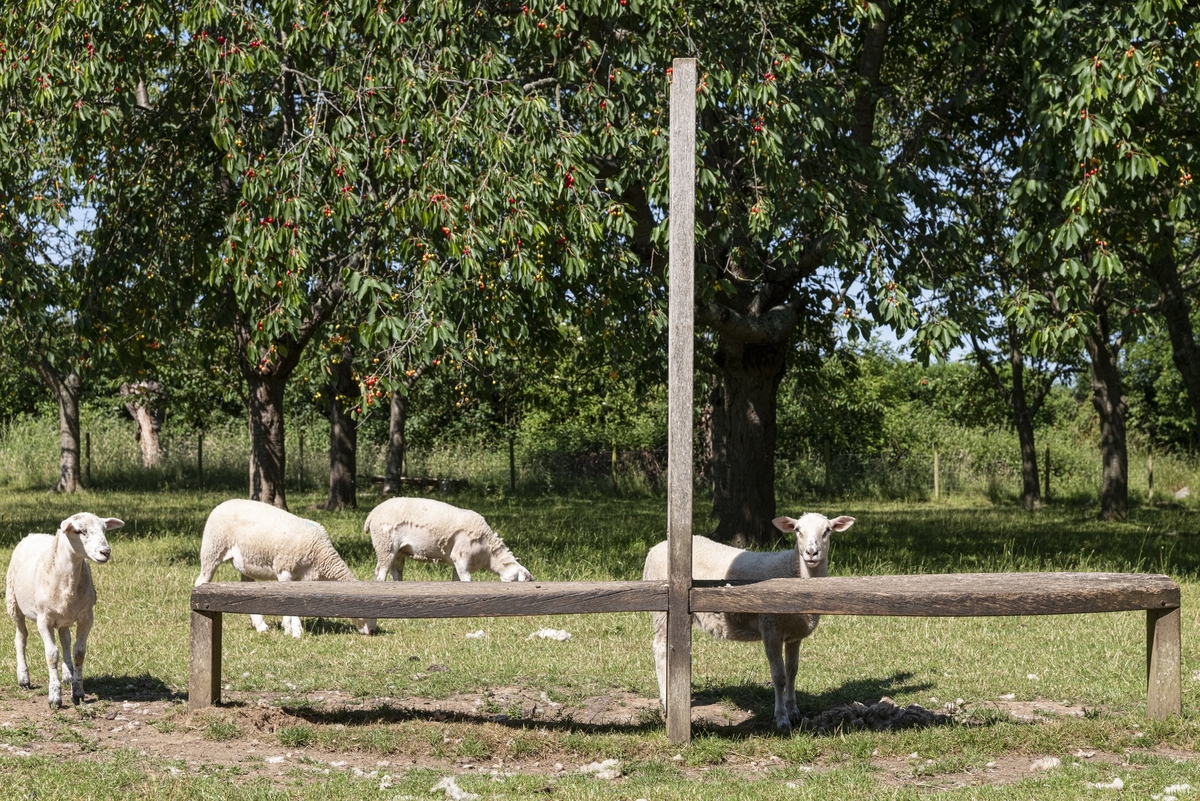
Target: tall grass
column 973, row 463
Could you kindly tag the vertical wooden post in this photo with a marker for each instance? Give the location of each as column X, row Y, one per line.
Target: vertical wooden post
column 512, row 463
column 200, row 461
column 679, row 401
column 204, row 681
column 828, row 469
column 1163, row 682
column 87, row 460
column 616, row 489
column 1046, row 494
column 937, row 480
column 300, row 478
column 1150, row 476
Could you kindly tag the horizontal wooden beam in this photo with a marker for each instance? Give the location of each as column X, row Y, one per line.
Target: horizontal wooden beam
column 413, row 599
column 945, row 595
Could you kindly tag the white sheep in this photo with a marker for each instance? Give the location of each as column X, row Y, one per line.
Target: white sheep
column 780, row 634
column 266, row 543
column 49, row 581
column 437, row 532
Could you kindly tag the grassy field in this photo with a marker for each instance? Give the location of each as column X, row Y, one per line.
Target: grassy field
column 507, row 716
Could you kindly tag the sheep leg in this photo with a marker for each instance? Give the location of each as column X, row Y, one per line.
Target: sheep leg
column 82, row 629
column 660, row 655
column 21, row 638
column 51, row 647
column 773, row 644
column 461, row 573
column 791, row 659
column 64, row 637
column 291, row 623
column 392, row 566
column 259, row 623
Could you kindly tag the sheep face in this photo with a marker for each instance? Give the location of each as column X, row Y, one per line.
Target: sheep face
column 812, row 535
column 364, row 626
column 90, row 531
column 515, row 573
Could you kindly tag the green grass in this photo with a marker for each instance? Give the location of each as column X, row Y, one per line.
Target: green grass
column 1093, row 662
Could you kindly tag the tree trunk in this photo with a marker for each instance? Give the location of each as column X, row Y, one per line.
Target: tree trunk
column 1108, row 398
column 1023, row 419
column 264, row 407
column 67, row 390
column 396, row 443
column 343, row 434
column 744, row 433
column 1176, row 310
column 149, row 418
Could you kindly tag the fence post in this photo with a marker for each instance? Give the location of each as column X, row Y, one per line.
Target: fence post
column 828, row 470
column 937, row 482
column 200, row 460
column 1150, row 475
column 87, row 457
column 681, row 310
column 300, row 478
column 1046, row 494
column 512, row 463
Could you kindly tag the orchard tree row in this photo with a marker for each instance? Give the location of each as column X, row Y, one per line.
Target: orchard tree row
column 224, row 191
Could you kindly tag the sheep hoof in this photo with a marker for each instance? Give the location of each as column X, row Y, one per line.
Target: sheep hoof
column 782, row 724
column 24, row 684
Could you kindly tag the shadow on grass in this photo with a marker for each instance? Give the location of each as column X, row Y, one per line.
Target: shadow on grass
column 753, row 699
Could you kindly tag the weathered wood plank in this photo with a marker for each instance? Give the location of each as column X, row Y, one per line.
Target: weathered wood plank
column 204, row 679
column 681, row 311
column 1163, row 667
column 949, row 595
column 429, row 599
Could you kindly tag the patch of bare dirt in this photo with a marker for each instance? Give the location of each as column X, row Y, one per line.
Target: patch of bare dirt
column 245, row 733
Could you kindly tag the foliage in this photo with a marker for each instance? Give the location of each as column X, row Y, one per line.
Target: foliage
column 1158, row 403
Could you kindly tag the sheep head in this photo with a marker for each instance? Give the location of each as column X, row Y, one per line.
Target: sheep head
column 89, row 531
column 515, row 572
column 812, row 536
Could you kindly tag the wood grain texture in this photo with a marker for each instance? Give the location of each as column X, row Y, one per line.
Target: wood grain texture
column 680, row 376
column 1163, row 680
column 204, row 675
column 428, row 599
column 950, row 595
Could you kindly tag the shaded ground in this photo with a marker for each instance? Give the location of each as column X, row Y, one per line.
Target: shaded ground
column 272, row 735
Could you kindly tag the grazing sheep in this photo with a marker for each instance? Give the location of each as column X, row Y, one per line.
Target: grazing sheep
column 437, row 532
column 266, row 543
column 49, row 581
column 778, row 633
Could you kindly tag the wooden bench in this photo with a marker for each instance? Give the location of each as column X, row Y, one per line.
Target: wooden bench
column 949, row 595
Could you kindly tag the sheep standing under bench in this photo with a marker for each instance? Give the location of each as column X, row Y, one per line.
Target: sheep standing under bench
column 437, row 532
column 49, row 581
column 780, row 634
column 266, row 543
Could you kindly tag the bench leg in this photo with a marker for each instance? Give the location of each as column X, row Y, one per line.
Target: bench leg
column 1163, row 685
column 204, row 686
column 679, row 675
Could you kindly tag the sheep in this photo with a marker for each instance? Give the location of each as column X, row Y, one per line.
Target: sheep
column 712, row 560
column 437, row 532
column 266, row 543
column 49, row 581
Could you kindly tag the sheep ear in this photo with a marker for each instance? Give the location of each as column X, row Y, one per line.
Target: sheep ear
column 785, row 523
column 111, row 522
column 69, row 525
column 841, row 523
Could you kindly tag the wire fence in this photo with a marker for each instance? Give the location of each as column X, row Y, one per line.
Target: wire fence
column 219, row 459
